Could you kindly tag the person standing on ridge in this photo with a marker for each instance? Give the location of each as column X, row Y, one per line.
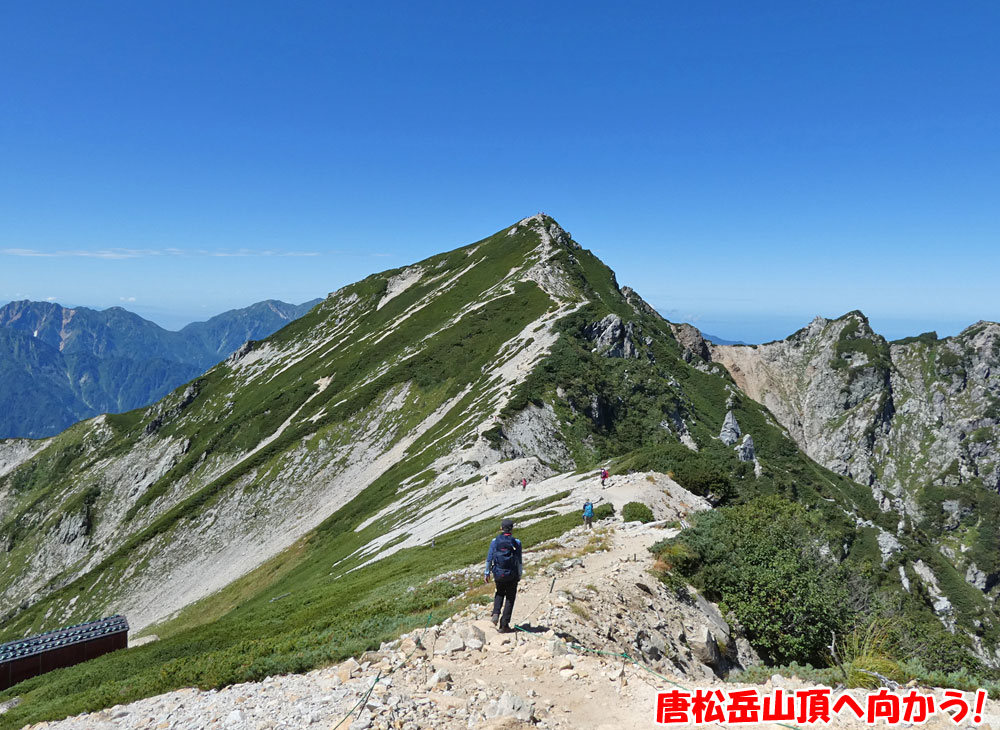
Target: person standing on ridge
column 524, row 484
column 588, row 514
column 604, row 475
column 504, row 563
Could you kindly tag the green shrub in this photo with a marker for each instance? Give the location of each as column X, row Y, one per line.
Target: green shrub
column 493, row 436
column 948, row 360
column 604, row 511
column 762, row 561
column 702, row 473
column 927, row 338
column 981, row 435
column 637, row 512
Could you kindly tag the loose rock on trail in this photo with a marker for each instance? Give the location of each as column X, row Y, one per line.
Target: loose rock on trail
column 599, row 638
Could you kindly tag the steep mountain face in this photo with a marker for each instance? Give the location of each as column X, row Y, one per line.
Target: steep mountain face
column 113, row 332
column 916, row 420
column 231, row 469
column 514, row 357
column 43, row 391
column 403, row 409
column 61, row 365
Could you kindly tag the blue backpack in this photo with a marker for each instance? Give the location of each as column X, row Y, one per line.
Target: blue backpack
column 506, row 552
column 588, row 510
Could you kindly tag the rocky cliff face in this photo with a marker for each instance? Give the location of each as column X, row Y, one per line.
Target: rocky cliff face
column 915, row 420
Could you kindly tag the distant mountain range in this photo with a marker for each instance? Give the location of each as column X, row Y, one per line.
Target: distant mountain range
column 60, row 365
column 720, row 341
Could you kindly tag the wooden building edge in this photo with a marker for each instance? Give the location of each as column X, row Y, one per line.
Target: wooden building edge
column 35, row 655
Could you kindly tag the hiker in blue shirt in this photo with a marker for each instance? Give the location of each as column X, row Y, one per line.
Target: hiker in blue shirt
column 588, row 514
column 503, row 562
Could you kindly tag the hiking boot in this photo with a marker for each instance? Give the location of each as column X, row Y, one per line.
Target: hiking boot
column 495, row 619
column 506, row 630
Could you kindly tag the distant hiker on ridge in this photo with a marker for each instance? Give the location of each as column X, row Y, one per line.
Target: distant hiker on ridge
column 604, row 475
column 524, row 484
column 503, row 562
column 588, row 513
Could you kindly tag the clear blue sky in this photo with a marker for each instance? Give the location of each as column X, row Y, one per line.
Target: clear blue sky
column 744, row 166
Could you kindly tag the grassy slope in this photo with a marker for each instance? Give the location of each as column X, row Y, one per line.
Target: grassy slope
column 240, row 633
column 226, row 418
column 319, row 618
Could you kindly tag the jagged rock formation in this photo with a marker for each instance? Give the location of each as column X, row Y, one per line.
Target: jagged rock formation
column 614, row 338
column 692, row 341
column 885, row 414
column 730, row 432
column 917, row 421
column 745, row 451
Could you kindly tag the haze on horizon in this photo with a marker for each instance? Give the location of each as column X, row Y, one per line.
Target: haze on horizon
column 744, row 168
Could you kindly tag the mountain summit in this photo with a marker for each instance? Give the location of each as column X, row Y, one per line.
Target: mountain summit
column 373, row 443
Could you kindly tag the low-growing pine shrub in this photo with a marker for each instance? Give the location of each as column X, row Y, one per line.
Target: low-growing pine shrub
column 637, row 512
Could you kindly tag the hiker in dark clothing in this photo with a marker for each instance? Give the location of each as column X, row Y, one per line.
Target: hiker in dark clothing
column 503, row 562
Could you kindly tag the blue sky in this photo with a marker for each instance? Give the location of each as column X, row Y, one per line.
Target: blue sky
column 744, row 166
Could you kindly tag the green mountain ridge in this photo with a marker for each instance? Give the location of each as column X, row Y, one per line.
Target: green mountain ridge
column 321, row 461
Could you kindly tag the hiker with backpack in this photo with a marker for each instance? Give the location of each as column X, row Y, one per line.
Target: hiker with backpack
column 503, row 562
column 588, row 514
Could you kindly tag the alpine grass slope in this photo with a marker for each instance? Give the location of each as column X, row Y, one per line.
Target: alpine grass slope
column 286, row 508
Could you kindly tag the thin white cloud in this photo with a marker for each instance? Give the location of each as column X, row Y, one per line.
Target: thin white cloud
column 23, row 252
column 105, row 253
column 127, row 299
column 134, row 253
column 51, row 299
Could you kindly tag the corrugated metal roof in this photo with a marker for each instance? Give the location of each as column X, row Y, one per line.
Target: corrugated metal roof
column 62, row 637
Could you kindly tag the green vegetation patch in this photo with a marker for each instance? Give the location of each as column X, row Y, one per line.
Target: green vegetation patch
column 637, row 512
column 762, row 560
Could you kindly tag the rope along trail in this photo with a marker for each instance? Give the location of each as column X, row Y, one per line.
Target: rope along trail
column 627, row 657
column 621, row 655
column 379, row 677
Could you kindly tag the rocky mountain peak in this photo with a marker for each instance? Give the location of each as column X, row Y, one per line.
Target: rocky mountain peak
column 547, row 229
column 916, row 420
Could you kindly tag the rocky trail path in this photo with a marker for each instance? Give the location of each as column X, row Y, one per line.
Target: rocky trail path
column 589, row 589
